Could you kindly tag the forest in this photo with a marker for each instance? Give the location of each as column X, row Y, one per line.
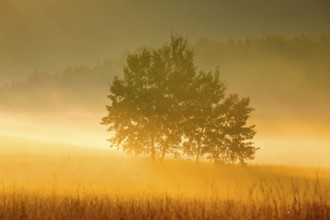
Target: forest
column 256, row 67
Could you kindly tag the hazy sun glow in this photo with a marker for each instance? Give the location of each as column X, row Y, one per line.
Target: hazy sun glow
column 292, row 145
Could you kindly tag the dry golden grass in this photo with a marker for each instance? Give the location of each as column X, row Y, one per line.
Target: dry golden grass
column 99, row 186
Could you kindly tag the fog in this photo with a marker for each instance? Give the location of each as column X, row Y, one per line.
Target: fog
column 58, row 58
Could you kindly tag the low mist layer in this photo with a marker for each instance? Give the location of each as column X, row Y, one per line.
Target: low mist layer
column 98, row 172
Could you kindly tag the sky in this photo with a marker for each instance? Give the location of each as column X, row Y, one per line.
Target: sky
column 49, row 35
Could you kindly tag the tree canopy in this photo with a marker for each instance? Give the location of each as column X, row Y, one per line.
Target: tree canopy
column 164, row 106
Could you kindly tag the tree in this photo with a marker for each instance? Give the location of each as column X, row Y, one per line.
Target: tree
column 229, row 136
column 206, row 93
column 215, row 125
column 162, row 106
column 145, row 115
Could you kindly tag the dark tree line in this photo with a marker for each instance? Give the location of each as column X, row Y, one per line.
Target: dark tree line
column 85, row 87
column 164, row 106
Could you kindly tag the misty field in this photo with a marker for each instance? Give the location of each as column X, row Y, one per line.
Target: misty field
column 101, row 186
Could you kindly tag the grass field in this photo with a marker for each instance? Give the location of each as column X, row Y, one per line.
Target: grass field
column 96, row 185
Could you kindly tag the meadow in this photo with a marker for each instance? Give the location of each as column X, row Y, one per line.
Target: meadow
column 100, row 185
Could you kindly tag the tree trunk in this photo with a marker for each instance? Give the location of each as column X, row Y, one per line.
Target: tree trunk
column 198, row 153
column 153, row 151
column 163, row 153
column 216, row 157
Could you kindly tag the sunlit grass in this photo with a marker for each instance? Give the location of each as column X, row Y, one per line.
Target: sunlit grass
column 106, row 187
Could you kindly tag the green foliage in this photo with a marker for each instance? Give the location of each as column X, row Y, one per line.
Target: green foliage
column 162, row 105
